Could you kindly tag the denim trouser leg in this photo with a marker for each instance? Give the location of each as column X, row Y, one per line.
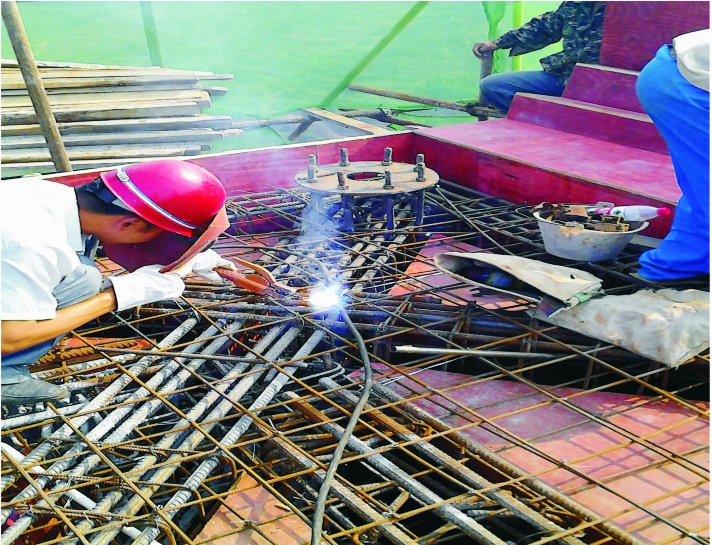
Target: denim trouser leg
column 681, row 113
column 81, row 284
column 499, row 89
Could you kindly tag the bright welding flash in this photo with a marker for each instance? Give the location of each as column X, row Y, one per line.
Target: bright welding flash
column 325, row 297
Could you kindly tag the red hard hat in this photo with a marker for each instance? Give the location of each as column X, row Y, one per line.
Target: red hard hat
column 175, row 195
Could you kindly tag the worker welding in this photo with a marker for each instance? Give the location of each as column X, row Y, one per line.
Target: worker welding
column 315, row 298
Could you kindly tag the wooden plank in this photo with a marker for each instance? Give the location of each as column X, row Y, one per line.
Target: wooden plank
column 604, row 85
column 179, row 86
column 12, row 63
column 367, row 128
column 634, row 31
column 270, row 520
column 73, row 83
column 11, row 170
column 49, row 73
column 592, row 120
column 215, row 91
column 201, row 98
column 118, row 110
column 103, row 152
column 128, row 125
column 201, row 135
column 530, row 164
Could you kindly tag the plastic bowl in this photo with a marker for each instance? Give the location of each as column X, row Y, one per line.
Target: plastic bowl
column 585, row 244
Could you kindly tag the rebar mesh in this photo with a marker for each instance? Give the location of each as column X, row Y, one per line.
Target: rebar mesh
column 212, row 418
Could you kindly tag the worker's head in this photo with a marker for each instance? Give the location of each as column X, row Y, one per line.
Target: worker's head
column 176, row 205
column 176, row 196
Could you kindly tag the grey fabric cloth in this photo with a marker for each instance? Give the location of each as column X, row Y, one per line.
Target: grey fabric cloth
column 565, row 284
column 667, row 326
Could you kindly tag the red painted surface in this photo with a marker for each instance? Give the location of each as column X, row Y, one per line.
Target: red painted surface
column 604, row 85
column 598, row 452
column 251, row 501
column 524, row 163
column 247, row 171
column 518, row 161
column 614, row 125
column 634, row 31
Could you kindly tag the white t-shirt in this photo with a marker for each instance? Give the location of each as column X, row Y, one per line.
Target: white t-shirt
column 693, row 57
column 40, row 239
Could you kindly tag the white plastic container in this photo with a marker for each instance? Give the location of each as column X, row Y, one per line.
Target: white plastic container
column 585, row 244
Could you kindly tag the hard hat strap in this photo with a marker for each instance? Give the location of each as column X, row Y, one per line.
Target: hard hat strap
column 103, row 193
column 124, row 178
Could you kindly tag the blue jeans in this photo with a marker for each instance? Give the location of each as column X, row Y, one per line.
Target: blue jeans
column 499, row 89
column 681, row 113
column 79, row 285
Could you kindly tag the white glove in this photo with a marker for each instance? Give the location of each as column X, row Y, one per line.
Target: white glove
column 203, row 265
column 145, row 285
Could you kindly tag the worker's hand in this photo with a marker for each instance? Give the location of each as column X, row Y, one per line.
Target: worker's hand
column 481, row 48
column 145, row 285
column 203, row 265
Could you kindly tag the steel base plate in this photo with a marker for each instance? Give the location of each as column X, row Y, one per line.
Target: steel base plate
column 367, row 178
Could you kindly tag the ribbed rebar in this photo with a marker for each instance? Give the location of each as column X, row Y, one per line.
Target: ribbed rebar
column 101, row 400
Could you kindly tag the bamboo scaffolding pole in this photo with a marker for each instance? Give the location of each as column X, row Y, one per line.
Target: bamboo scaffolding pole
column 468, row 108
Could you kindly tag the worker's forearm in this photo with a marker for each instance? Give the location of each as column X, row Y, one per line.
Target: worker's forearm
column 21, row 334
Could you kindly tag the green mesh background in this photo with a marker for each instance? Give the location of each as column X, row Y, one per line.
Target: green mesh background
column 287, row 55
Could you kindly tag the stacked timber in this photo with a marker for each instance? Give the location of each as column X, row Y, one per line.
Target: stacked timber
column 109, row 115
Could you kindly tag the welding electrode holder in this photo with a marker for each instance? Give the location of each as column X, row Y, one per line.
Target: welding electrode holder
column 262, row 283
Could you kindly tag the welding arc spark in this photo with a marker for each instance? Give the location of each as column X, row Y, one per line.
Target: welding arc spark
column 325, row 297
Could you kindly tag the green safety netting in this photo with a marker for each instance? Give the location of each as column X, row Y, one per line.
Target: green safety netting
column 289, row 55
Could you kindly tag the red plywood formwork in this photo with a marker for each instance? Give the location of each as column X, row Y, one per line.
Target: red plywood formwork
column 634, row 31
column 596, row 447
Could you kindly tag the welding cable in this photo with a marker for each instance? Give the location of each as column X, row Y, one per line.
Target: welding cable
column 348, row 430
column 321, row 501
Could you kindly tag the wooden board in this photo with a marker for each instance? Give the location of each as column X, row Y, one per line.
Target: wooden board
column 250, row 501
column 525, row 163
column 367, row 128
column 201, row 98
column 12, row 63
column 16, row 82
column 179, row 86
column 103, row 152
column 52, row 73
column 84, row 169
column 127, row 125
column 102, row 139
column 604, row 85
column 593, row 449
column 634, row 31
column 119, row 110
column 625, row 127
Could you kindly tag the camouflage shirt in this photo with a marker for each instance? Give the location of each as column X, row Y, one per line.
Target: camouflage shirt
column 577, row 24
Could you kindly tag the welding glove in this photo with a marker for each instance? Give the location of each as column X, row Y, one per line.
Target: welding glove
column 203, row 265
column 145, row 285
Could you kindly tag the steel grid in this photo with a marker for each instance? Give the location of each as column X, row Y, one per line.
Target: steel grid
column 228, row 394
